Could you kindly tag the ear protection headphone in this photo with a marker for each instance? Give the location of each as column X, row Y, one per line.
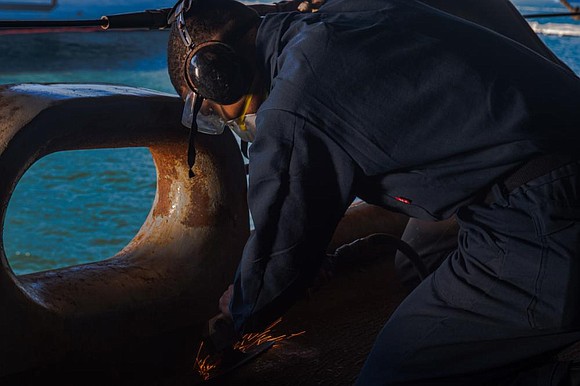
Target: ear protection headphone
column 215, row 71
column 212, row 69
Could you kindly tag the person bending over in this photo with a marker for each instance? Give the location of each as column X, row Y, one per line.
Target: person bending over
column 423, row 113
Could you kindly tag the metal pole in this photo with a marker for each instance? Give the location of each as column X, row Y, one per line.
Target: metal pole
column 149, row 19
column 52, row 23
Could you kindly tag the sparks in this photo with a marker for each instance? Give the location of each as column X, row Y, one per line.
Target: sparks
column 207, row 365
column 250, row 341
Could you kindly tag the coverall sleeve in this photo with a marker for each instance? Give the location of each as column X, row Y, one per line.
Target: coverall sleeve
column 300, row 185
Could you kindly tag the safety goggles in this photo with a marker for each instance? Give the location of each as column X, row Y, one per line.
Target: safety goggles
column 243, row 126
column 211, row 124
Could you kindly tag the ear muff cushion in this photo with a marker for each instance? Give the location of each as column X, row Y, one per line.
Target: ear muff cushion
column 216, row 72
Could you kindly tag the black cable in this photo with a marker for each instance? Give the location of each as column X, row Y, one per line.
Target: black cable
column 390, row 240
column 149, row 19
column 350, row 254
column 541, row 15
column 51, row 23
column 191, row 153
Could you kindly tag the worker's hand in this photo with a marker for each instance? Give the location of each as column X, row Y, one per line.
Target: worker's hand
column 310, row 5
column 224, row 303
column 304, row 6
column 219, row 335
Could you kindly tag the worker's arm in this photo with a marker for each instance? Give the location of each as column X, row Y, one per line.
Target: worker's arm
column 301, row 183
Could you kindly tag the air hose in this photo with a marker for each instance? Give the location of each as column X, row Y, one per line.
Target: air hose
column 352, row 253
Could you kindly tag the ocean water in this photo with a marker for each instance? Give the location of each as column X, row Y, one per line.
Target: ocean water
column 82, row 206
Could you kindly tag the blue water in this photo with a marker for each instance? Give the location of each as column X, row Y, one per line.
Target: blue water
column 81, row 206
column 80, row 9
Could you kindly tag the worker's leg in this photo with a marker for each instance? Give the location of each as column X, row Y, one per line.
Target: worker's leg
column 500, row 306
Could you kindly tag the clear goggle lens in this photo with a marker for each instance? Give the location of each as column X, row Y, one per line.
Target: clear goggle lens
column 188, row 114
column 244, row 126
column 211, row 124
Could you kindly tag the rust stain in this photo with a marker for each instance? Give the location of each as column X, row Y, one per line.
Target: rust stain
column 4, row 102
column 166, row 161
column 203, row 198
column 170, row 160
column 200, row 213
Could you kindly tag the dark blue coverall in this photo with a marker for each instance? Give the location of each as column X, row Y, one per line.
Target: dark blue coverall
column 434, row 240
column 424, row 113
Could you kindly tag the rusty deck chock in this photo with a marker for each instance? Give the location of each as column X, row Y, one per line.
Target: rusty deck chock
column 145, row 304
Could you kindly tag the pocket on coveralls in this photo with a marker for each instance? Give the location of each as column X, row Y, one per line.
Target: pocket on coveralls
column 559, row 219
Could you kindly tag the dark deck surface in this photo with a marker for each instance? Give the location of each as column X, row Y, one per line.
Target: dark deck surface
column 340, row 319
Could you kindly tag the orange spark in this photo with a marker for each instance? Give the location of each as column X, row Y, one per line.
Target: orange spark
column 249, row 341
column 207, row 365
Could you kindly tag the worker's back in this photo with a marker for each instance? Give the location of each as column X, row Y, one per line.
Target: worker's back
column 498, row 15
column 430, row 105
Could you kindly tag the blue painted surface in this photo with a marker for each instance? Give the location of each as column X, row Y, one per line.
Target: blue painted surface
column 80, row 206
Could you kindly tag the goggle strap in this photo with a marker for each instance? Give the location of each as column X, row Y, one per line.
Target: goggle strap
column 183, row 33
column 192, row 132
